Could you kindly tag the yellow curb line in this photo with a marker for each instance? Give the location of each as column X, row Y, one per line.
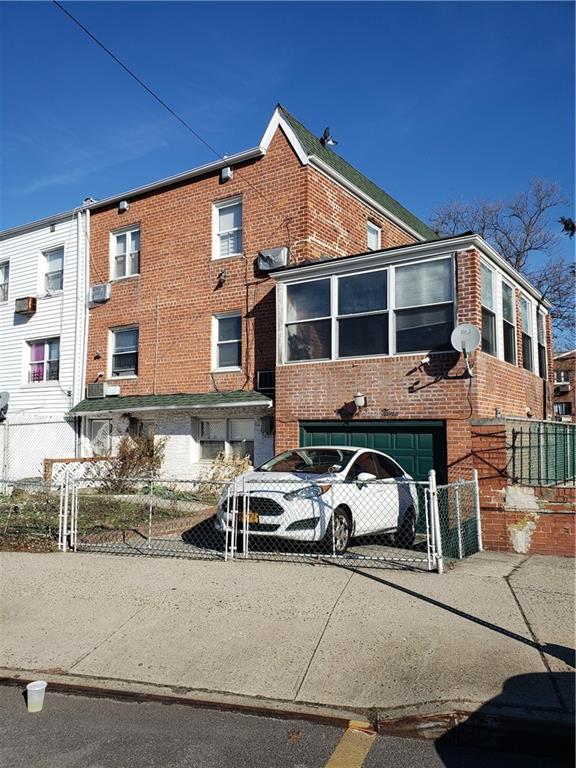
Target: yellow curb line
column 354, row 746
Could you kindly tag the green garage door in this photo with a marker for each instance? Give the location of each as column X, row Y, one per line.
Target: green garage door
column 418, row 446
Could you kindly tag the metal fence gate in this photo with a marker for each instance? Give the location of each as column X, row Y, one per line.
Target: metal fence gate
column 380, row 523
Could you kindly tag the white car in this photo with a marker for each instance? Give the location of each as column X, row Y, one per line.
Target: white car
column 324, row 493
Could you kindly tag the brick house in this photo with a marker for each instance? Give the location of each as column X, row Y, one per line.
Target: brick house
column 564, row 382
column 182, row 325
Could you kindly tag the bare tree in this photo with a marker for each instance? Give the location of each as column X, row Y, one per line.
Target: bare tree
column 521, row 230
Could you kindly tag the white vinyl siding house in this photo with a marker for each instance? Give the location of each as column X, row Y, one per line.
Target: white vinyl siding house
column 42, row 354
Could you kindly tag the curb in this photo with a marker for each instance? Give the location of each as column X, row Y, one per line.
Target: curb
column 546, row 734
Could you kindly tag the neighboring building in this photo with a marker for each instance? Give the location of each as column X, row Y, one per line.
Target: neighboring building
column 378, row 324
column 42, row 333
column 186, row 335
column 564, row 383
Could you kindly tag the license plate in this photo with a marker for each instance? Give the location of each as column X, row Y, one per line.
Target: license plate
column 251, row 518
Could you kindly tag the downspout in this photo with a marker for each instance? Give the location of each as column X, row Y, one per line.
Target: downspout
column 86, row 318
column 77, row 326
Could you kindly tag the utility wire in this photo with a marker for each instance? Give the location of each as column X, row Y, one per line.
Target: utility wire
column 155, row 96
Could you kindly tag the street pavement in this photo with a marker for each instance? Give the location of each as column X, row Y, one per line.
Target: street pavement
column 80, row 732
column 497, row 630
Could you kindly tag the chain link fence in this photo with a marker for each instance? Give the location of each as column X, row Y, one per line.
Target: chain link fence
column 374, row 523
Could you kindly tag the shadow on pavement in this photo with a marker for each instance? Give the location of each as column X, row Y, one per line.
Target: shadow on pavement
column 561, row 652
column 494, row 726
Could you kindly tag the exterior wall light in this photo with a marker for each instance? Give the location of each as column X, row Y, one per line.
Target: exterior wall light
column 359, row 400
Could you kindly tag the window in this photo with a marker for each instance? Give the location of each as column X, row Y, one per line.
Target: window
column 424, row 306
column 386, row 468
column 351, row 315
column 308, row 323
column 525, row 313
column 54, row 276
column 100, row 436
column 562, row 409
column 561, row 377
column 228, row 341
column 233, row 437
column 374, row 236
column 362, row 314
column 488, row 310
column 125, row 352
column 508, row 325
column 44, row 360
column 364, row 463
column 227, row 221
column 126, row 253
column 4, row 280
column 542, row 362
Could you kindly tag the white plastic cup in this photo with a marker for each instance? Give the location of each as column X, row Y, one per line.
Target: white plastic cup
column 35, row 695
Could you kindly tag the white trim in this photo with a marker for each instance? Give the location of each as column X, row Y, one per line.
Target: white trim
column 375, row 227
column 127, row 230
column 444, row 247
column 320, row 165
column 216, row 317
column 217, row 206
column 112, row 347
column 248, row 154
column 278, row 120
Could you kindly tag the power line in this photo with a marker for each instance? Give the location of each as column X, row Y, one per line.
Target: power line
column 155, row 96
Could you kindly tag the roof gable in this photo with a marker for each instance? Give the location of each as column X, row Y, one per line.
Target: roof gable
column 307, row 146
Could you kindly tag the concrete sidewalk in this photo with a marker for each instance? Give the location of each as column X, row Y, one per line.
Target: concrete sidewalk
column 394, row 642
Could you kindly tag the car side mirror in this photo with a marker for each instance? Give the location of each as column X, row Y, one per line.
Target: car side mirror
column 365, row 477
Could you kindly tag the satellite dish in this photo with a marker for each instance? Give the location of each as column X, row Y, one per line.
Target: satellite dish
column 4, row 397
column 465, row 338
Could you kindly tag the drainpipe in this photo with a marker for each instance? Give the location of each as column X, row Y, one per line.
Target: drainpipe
column 86, row 318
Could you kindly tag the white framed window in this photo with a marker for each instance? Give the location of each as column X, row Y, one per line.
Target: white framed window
column 396, row 309
column 488, row 300
column 124, row 355
column 54, row 270
column 4, row 280
column 101, row 436
column 227, row 228
column 44, row 362
column 424, row 306
column 125, row 253
column 232, row 437
column 561, row 377
column 508, row 323
column 374, row 236
column 309, row 321
column 527, row 333
column 227, row 341
column 362, row 320
column 563, row 408
column 541, row 338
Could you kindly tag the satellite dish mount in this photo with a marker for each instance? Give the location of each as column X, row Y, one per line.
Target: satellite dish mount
column 466, row 338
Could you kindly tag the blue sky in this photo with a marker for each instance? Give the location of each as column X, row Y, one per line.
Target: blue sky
column 431, row 100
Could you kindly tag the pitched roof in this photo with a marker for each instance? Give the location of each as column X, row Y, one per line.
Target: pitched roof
column 181, row 400
column 313, row 146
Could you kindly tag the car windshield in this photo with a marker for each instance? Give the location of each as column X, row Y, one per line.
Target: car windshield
column 315, row 461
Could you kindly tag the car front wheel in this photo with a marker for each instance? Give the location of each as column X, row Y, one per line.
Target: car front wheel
column 339, row 531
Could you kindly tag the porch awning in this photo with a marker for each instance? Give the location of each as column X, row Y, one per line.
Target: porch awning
column 182, row 401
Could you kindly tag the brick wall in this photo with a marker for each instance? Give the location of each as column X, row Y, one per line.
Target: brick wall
column 176, row 293
column 532, row 520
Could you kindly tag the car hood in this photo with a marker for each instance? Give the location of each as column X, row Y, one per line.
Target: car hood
column 284, row 480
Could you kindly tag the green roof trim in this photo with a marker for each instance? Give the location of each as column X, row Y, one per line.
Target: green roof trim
column 181, row 400
column 313, row 146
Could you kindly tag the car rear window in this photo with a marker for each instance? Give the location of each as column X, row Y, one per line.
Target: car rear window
column 309, row 461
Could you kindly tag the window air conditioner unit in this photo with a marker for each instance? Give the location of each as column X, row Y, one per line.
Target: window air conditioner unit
column 100, row 293
column 111, row 390
column 562, row 386
column 272, row 258
column 96, row 390
column 25, row 306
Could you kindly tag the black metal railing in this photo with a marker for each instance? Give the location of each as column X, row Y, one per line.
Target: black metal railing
column 541, row 452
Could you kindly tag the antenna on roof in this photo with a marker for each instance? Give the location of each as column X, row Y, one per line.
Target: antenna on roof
column 326, row 140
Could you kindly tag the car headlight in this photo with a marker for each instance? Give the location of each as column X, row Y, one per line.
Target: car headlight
column 308, row 492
